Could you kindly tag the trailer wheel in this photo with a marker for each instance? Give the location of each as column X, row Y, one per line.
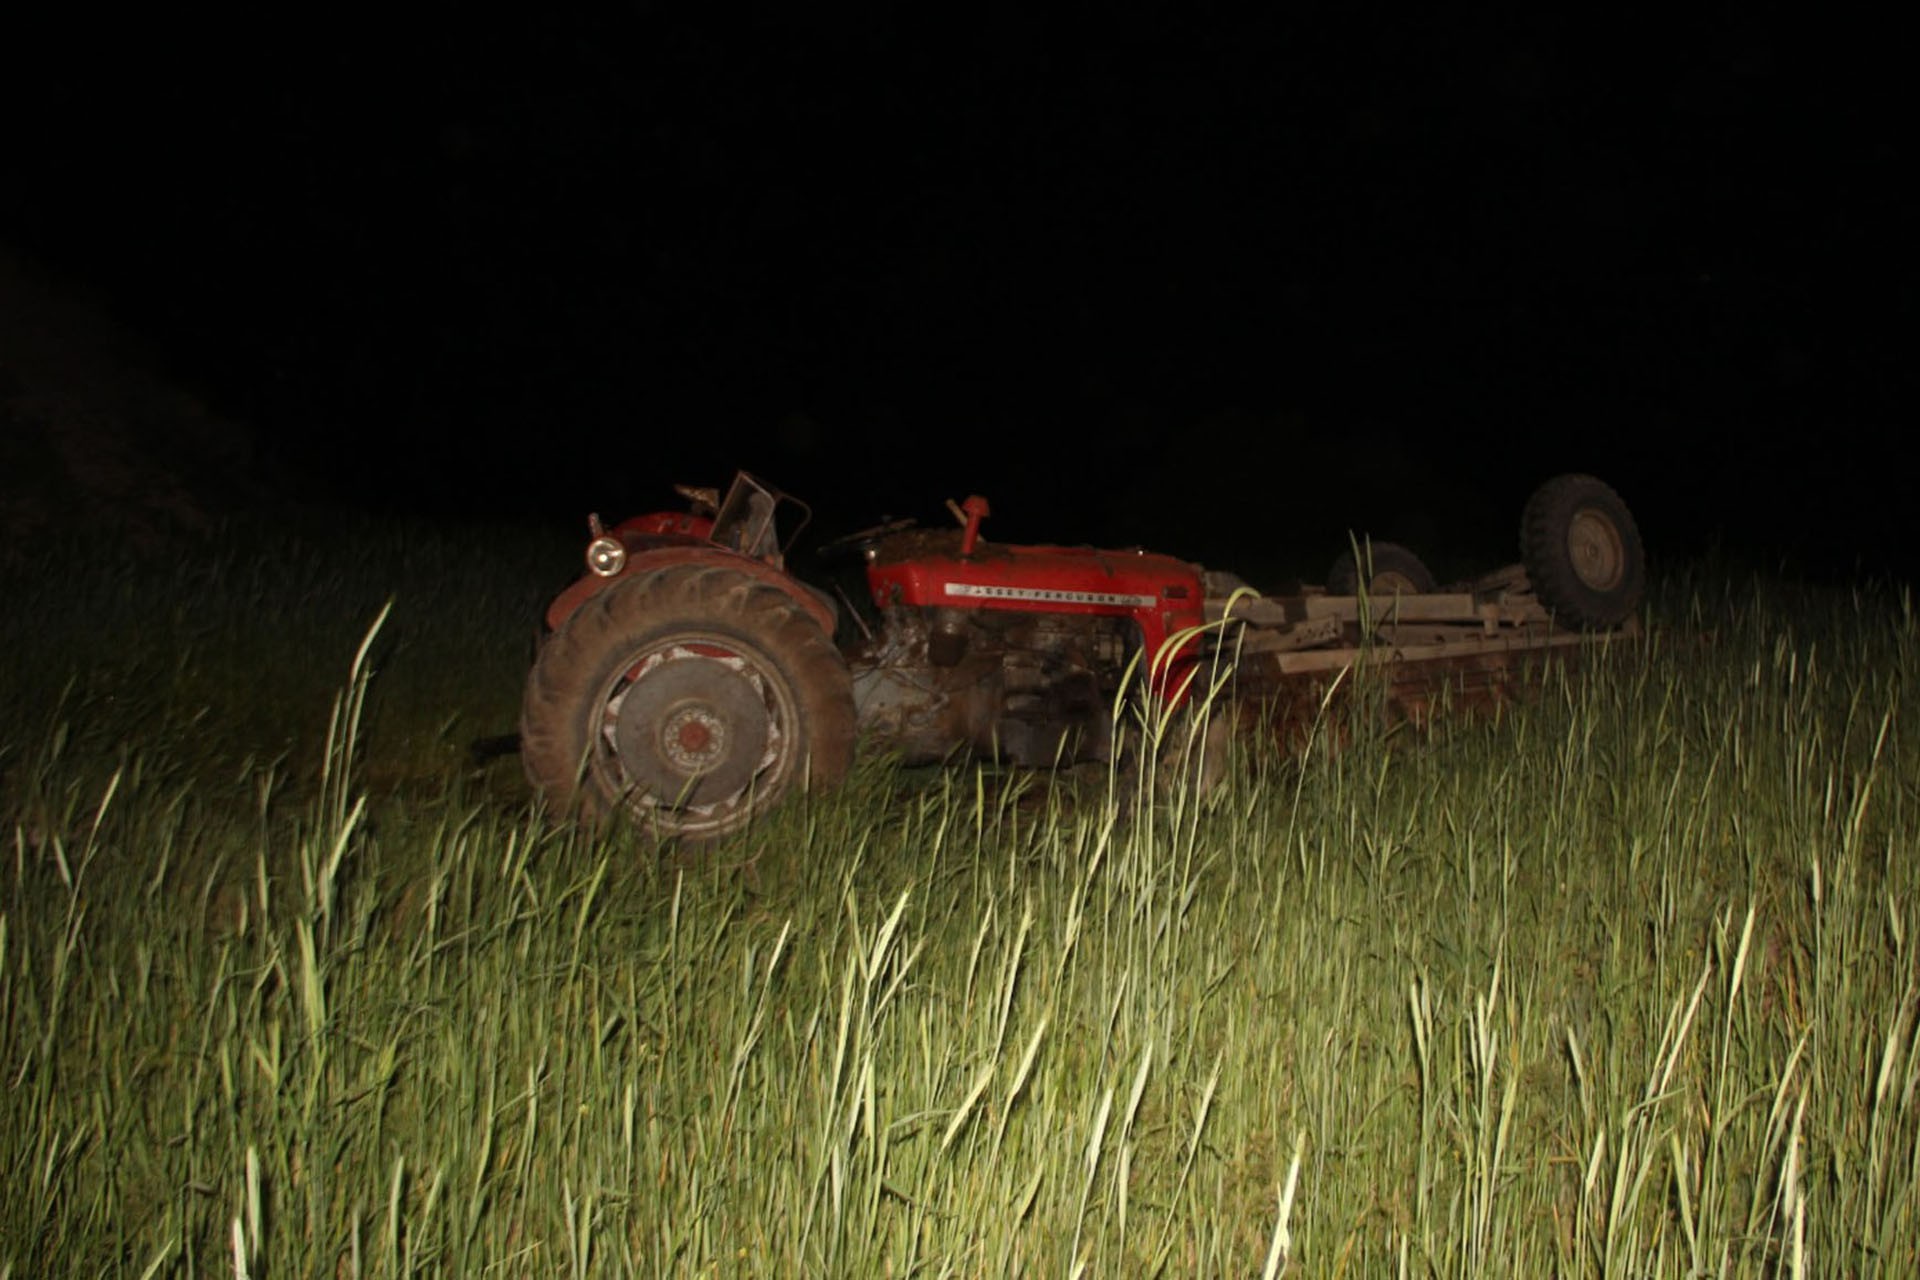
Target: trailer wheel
column 1582, row 552
column 692, row 699
column 1394, row 571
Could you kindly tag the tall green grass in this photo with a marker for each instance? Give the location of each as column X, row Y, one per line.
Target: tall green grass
column 1620, row 982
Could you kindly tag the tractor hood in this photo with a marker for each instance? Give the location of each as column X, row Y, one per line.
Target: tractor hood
column 924, row 568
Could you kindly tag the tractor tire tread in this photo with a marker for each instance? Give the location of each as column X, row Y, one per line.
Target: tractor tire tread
column 572, row 667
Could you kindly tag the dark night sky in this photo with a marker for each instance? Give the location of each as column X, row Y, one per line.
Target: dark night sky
column 1204, row 283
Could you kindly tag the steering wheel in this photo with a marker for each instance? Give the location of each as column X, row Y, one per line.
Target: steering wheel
column 861, row 539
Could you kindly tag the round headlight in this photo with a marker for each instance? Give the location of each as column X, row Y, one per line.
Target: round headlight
column 606, row 557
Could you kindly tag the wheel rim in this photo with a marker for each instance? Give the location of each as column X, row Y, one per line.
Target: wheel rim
column 1595, row 550
column 692, row 734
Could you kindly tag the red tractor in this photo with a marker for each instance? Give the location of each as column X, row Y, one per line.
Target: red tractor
column 691, row 681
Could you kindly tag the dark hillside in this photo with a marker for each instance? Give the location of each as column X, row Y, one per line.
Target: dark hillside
column 95, row 442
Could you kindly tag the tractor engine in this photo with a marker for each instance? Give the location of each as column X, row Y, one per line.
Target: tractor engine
column 1024, row 688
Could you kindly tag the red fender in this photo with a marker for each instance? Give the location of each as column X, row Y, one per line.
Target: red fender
column 658, row 558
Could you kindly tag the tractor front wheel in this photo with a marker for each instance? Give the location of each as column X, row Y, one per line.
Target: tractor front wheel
column 692, row 699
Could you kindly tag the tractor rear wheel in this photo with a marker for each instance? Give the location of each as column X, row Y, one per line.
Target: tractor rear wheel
column 1582, row 552
column 692, row 699
column 1391, row 570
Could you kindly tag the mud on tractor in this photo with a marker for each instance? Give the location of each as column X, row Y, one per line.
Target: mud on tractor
column 689, row 680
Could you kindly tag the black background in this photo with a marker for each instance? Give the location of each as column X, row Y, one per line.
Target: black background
column 1226, row 285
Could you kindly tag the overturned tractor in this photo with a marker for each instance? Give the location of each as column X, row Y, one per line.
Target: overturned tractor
column 689, row 680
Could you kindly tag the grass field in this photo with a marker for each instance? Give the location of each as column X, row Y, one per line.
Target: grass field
column 1619, row 983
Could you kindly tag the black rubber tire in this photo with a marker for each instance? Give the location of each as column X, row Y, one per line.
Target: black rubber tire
column 763, row 701
column 1396, row 571
column 1582, row 552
